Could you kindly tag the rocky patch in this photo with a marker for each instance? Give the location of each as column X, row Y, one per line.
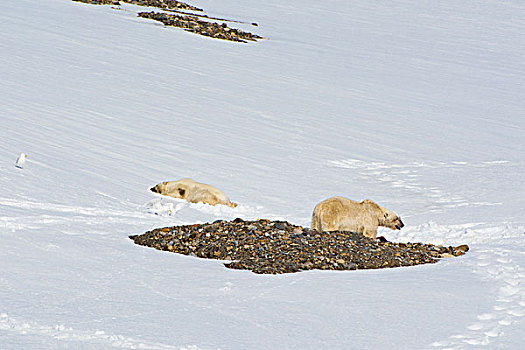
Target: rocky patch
column 195, row 25
column 99, row 2
column 188, row 21
column 274, row 247
column 162, row 4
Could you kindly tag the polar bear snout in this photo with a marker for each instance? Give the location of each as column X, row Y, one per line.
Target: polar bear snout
column 154, row 189
column 398, row 224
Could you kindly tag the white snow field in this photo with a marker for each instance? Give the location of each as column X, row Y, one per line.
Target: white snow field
column 418, row 105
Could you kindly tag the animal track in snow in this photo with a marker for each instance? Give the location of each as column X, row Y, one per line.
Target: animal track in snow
column 468, row 233
column 502, row 266
column 509, row 304
column 35, row 215
column 94, row 338
column 62, row 208
column 168, row 206
column 408, row 178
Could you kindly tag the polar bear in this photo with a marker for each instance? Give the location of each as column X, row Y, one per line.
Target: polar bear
column 193, row 192
column 343, row 214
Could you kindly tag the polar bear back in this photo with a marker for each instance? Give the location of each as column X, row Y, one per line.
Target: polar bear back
column 193, row 192
column 343, row 214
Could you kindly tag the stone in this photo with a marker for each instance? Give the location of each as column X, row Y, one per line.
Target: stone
column 195, row 25
column 260, row 246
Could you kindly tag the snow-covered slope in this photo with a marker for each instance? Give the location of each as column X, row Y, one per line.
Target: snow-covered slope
column 418, row 105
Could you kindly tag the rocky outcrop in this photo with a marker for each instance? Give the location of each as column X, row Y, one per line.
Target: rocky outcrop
column 188, row 21
column 274, row 247
column 195, row 25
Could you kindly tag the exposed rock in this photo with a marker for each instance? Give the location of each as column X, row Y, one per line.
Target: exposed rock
column 188, row 21
column 99, row 2
column 275, row 247
column 162, row 4
column 195, row 25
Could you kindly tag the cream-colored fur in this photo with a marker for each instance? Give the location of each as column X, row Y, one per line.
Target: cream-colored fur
column 343, row 214
column 193, row 192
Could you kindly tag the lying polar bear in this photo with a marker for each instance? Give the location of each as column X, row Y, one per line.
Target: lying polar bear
column 193, row 192
column 343, row 214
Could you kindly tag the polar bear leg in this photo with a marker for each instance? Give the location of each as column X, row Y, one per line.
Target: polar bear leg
column 370, row 232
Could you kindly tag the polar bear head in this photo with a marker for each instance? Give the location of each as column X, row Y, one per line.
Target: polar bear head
column 390, row 219
column 385, row 217
column 173, row 188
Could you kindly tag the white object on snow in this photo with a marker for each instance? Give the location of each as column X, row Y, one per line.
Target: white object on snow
column 21, row 160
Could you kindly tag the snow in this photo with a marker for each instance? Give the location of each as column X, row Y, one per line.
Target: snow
column 417, row 105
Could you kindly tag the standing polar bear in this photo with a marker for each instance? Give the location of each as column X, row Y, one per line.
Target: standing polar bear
column 343, row 214
column 193, row 192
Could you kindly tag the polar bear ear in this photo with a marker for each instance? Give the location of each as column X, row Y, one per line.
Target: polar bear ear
column 181, row 191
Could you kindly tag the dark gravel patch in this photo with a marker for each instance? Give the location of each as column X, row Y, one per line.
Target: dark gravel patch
column 190, row 22
column 162, row 4
column 99, row 2
column 195, row 25
column 274, row 247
